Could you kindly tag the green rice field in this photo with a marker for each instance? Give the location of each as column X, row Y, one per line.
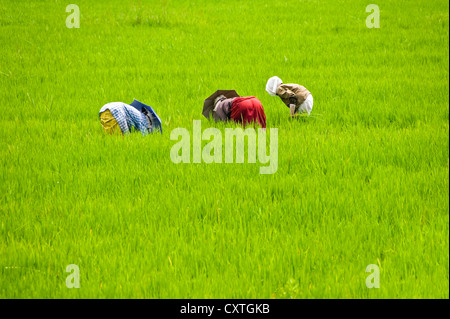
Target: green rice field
column 363, row 180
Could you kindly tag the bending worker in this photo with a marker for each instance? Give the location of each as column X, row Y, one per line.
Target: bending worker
column 296, row 97
column 119, row 117
column 244, row 110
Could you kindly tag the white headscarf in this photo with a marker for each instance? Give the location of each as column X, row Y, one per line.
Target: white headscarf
column 272, row 85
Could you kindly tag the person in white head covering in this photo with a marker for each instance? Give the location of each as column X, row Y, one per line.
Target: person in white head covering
column 295, row 96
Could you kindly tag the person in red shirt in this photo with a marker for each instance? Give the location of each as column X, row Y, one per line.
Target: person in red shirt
column 245, row 110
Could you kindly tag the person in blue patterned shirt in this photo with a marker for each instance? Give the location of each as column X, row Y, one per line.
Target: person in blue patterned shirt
column 119, row 117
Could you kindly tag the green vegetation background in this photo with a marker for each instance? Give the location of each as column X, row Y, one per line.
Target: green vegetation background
column 365, row 180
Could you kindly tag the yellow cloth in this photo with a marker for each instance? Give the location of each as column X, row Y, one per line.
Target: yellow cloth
column 109, row 123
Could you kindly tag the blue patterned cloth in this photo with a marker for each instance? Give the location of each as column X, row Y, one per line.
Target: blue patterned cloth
column 128, row 117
